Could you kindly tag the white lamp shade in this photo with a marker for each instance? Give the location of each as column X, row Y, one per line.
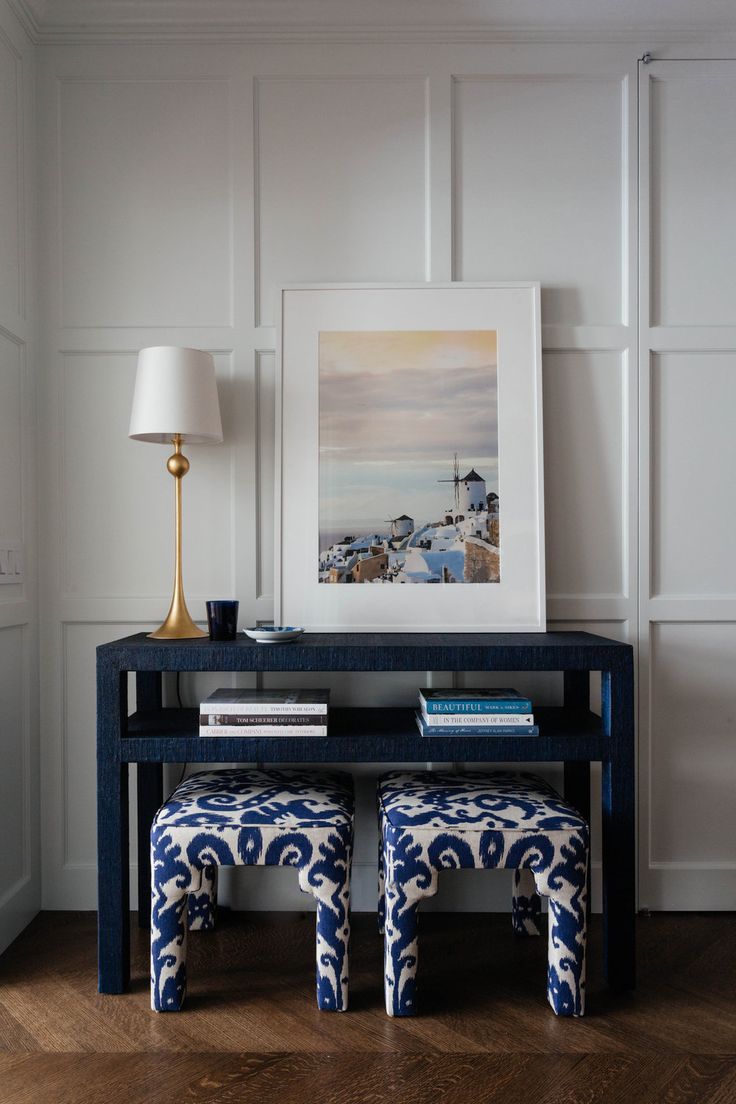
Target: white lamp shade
column 175, row 393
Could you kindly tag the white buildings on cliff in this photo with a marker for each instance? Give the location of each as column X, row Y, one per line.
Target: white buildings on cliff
column 461, row 547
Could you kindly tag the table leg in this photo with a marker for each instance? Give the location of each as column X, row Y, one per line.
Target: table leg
column 619, row 831
column 150, row 792
column 577, row 786
column 150, row 788
column 113, row 878
column 577, row 792
column 577, row 773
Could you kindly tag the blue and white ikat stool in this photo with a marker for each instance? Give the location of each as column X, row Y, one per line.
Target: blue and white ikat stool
column 241, row 817
column 432, row 821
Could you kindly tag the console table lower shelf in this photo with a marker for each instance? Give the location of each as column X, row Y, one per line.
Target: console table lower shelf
column 362, row 735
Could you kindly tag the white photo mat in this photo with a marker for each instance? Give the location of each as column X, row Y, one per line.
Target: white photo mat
column 517, row 602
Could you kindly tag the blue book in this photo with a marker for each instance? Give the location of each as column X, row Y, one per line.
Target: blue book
column 474, row 701
column 476, row 730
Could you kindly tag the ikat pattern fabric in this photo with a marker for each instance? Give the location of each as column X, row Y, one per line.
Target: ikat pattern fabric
column 432, row 821
column 526, row 906
column 243, row 817
column 202, row 906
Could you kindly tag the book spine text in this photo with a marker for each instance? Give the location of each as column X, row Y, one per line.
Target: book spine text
column 263, row 731
column 263, row 708
column 250, row 719
column 473, row 720
column 521, row 705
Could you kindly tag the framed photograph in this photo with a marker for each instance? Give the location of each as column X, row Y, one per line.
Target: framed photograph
column 409, row 458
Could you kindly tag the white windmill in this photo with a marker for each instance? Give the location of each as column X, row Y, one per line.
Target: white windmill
column 456, row 480
column 401, row 526
column 472, row 492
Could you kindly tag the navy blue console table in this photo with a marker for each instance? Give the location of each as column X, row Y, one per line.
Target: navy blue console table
column 569, row 733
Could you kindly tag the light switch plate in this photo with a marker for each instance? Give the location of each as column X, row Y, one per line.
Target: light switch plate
column 11, row 563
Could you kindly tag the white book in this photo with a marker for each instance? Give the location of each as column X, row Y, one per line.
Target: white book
column 476, row 720
column 271, row 732
column 277, row 702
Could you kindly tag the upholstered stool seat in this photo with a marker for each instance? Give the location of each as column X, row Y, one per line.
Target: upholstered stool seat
column 432, row 821
column 242, row 817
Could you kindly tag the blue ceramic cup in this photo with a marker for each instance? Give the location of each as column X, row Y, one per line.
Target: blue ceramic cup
column 222, row 619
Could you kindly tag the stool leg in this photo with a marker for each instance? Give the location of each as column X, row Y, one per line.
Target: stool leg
column 567, row 931
column 408, row 875
column 526, row 906
column 333, row 938
column 381, row 890
column 566, row 960
column 168, row 950
column 401, row 951
column 327, row 878
column 202, row 908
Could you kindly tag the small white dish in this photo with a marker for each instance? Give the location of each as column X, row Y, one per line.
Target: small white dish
column 276, row 634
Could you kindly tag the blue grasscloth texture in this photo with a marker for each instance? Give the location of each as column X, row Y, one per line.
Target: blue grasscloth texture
column 241, row 817
column 433, row 821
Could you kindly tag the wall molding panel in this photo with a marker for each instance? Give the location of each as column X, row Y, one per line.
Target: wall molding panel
column 13, row 266
column 305, row 126
column 265, row 399
column 20, row 884
column 687, row 605
column 157, row 169
column 514, row 115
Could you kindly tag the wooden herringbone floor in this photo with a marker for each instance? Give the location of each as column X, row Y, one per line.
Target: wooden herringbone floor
column 251, row 1031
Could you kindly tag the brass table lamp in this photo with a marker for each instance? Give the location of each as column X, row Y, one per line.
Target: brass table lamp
column 175, row 401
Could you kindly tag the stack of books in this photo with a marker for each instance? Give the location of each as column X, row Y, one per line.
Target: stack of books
column 475, row 713
column 264, row 713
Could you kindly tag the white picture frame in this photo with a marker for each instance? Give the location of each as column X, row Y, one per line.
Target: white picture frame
column 516, row 603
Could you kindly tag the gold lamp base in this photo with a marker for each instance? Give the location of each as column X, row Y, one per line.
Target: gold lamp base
column 178, row 624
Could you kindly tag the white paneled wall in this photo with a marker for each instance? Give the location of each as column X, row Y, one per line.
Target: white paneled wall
column 20, row 877
column 539, row 188
column 341, row 181
column 687, row 579
column 125, row 145
column 182, row 185
column 586, row 484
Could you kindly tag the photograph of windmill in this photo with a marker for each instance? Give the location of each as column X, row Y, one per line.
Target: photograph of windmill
column 408, row 457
